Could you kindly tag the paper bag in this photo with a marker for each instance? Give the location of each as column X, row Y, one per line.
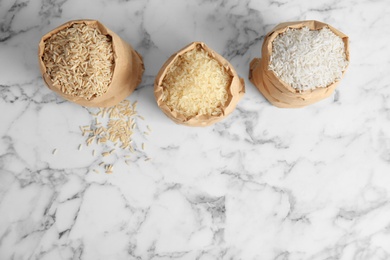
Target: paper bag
column 276, row 91
column 235, row 91
column 127, row 72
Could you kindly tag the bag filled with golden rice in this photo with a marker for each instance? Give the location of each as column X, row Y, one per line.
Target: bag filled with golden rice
column 197, row 87
column 86, row 63
column 302, row 63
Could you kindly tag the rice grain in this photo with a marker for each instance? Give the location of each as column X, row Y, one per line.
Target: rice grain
column 79, row 60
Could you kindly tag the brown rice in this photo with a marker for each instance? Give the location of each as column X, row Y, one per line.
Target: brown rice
column 80, row 61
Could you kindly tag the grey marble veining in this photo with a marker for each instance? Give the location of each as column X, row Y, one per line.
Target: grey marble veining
column 265, row 183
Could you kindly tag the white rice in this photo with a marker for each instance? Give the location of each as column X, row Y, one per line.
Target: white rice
column 307, row 59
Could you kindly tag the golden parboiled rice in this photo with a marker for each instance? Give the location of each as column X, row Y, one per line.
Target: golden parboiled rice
column 80, row 60
column 196, row 84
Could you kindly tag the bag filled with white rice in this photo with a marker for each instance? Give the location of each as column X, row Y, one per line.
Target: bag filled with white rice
column 302, row 63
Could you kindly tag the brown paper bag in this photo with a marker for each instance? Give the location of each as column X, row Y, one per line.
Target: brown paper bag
column 235, row 91
column 127, row 74
column 276, row 91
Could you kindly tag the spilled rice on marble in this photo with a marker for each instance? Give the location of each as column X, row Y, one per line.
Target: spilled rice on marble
column 196, row 84
column 308, row 59
column 113, row 129
column 80, row 61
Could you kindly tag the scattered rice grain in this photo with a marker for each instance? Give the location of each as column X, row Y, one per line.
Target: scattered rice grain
column 115, row 130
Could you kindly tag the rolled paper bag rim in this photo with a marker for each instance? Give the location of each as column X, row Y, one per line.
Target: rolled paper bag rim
column 257, row 80
column 312, row 94
column 235, row 90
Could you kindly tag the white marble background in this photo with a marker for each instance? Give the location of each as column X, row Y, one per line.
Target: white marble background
column 265, row 183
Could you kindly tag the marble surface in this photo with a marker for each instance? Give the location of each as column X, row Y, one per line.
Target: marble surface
column 265, row 183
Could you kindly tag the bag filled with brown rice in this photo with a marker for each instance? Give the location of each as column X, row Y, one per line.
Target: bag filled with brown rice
column 197, row 87
column 302, row 63
column 86, row 63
